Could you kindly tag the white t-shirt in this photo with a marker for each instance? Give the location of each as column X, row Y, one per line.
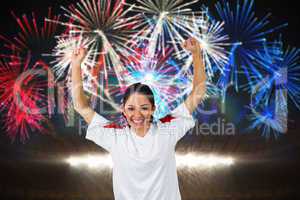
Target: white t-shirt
column 144, row 168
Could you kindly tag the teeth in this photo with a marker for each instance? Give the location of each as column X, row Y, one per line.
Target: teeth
column 138, row 121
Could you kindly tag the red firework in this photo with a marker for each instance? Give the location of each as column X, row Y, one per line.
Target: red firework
column 37, row 38
column 22, row 97
column 22, row 88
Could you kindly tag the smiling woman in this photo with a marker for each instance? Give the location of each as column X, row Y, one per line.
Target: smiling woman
column 138, row 107
column 143, row 153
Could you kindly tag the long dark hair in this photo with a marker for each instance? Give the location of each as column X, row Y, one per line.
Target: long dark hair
column 140, row 89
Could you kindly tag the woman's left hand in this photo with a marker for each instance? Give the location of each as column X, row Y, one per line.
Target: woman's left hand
column 193, row 46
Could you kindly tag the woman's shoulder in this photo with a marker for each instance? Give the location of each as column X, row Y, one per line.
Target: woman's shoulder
column 166, row 122
column 114, row 125
column 167, row 119
column 117, row 128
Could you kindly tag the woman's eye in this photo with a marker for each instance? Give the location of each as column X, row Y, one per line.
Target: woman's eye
column 145, row 108
column 130, row 109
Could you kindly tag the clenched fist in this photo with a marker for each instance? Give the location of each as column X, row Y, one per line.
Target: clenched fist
column 192, row 45
column 78, row 56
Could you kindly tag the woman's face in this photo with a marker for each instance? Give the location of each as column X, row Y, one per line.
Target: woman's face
column 138, row 110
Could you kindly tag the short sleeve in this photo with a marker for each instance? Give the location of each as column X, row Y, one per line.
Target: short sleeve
column 96, row 132
column 182, row 121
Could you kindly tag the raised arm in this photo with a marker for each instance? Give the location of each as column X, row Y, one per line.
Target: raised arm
column 199, row 80
column 80, row 101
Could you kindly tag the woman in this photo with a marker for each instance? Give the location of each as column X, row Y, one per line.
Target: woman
column 143, row 153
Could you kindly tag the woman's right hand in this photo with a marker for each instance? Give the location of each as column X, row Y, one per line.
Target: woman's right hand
column 78, row 56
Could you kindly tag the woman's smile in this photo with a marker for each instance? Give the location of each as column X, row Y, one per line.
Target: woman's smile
column 138, row 111
column 138, row 121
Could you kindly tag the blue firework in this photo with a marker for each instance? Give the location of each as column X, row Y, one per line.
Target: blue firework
column 248, row 33
column 283, row 72
column 270, row 94
column 290, row 63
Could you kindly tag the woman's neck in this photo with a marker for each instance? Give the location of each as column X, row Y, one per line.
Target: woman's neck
column 142, row 131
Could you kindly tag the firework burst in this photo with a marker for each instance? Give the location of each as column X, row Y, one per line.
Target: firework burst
column 22, row 97
column 271, row 93
column 248, row 34
column 108, row 29
column 214, row 43
column 168, row 22
column 214, row 52
column 34, row 37
column 161, row 74
column 63, row 52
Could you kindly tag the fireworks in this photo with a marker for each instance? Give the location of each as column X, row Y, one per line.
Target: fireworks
column 248, row 34
column 63, row 51
column 271, row 93
column 167, row 22
column 107, row 28
column 290, row 68
column 214, row 43
column 107, row 32
column 141, row 42
column 22, row 97
column 34, row 37
column 161, row 74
